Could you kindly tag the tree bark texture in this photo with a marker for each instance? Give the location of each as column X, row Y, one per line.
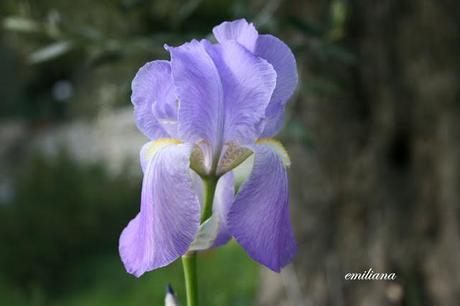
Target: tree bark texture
column 381, row 187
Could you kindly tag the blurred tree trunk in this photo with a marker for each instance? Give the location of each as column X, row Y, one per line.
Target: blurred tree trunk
column 381, row 188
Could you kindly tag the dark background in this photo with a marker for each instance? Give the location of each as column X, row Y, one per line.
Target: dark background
column 372, row 130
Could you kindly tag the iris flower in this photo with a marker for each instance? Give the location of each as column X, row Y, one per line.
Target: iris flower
column 208, row 111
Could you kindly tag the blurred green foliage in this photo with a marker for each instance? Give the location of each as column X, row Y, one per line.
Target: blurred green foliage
column 61, row 213
column 97, row 46
column 94, row 45
column 227, row 275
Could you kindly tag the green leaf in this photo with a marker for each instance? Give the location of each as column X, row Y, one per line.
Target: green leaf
column 338, row 11
column 50, row 52
column 21, row 24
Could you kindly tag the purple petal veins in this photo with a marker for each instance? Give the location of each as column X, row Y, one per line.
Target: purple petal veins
column 154, row 99
column 277, row 54
column 259, row 217
column 169, row 216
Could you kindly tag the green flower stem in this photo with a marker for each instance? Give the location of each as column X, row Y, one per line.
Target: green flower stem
column 210, row 183
column 191, row 284
column 189, row 259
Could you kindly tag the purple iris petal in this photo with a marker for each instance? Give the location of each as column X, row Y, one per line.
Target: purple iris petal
column 223, row 90
column 273, row 122
column 142, row 157
column 200, row 93
column 240, row 30
column 170, row 213
column 223, row 199
column 280, row 56
column 276, row 53
column 154, row 100
column 259, row 218
column 198, row 187
column 248, row 83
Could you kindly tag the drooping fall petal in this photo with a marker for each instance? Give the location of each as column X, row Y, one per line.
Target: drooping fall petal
column 259, row 218
column 170, row 213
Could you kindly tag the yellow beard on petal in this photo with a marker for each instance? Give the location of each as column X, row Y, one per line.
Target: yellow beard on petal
column 154, row 146
column 278, row 147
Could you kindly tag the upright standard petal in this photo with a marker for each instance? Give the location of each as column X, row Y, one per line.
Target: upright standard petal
column 199, row 89
column 274, row 51
column 280, row 56
column 259, row 218
column 274, row 121
column 169, row 217
column 154, row 100
column 239, row 30
column 248, row 82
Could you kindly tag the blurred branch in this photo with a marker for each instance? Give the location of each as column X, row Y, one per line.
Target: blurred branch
column 20, row 24
column 50, row 52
